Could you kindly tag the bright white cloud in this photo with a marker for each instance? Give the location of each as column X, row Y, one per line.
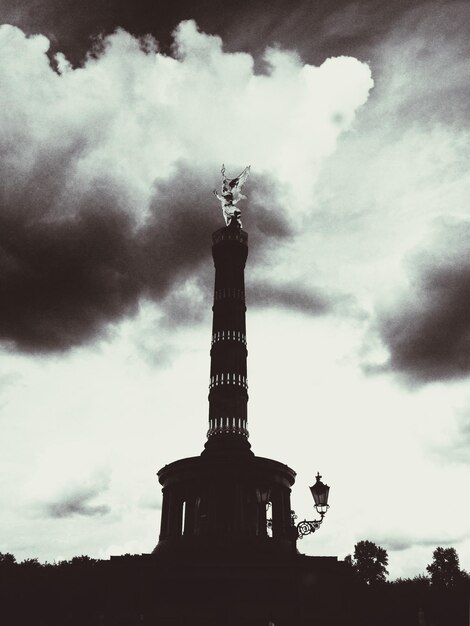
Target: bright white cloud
column 131, row 114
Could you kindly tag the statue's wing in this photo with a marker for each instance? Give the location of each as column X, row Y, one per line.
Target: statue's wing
column 231, row 192
column 238, row 182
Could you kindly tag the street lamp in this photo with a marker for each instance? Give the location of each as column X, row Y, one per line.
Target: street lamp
column 320, row 493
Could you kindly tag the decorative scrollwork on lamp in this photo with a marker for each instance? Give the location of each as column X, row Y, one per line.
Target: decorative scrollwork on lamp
column 320, row 493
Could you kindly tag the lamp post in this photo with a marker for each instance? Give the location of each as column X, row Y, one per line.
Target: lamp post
column 320, row 493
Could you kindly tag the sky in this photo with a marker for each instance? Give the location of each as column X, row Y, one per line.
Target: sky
column 115, row 119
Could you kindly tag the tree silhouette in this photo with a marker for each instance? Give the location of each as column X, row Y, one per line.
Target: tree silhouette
column 369, row 562
column 444, row 569
column 7, row 560
column 30, row 564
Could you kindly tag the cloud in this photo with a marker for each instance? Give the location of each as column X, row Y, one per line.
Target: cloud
column 408, row 159
column 244, row 25
column 427, row 331
column 71, row 27
column 187, row 303
column 9, row 379
column 62, row 281
column 400, row 542
column 455, row 446
column 77, row 501
column 461, row 443
column 322, row 29
column 423, row 42
column 152, row 503
column 292, row 296
column 108, row 168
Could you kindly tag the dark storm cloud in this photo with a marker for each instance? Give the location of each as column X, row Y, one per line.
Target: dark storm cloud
column 428, row 331
column 61, row 282
column 77, row 502
column 318, row 29
column 321, row 29
column 425, row 59
column 266, row 217
column 73, row 26
column 63, row 279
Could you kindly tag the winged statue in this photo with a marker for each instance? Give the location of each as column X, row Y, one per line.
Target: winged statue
column 231, row 194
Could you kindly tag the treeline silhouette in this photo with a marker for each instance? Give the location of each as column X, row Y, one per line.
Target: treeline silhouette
column 85, row 591
column 67, row 592
column 438, row 597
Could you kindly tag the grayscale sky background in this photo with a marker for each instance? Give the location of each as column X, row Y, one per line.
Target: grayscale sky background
column 115, row 118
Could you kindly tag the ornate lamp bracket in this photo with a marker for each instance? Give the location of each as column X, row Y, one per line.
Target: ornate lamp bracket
column 306, row 527
column 320, row 493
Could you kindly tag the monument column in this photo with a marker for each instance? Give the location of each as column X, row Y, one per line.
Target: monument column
column 228, row 395
column 214, row 506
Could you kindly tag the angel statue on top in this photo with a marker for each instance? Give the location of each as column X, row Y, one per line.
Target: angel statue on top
column 231, row 194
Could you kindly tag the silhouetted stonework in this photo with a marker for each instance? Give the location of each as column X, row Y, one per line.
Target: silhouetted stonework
column 227, row 553
column 215, row 505
column 299, row 592
column 215, row 508
column 228, row 395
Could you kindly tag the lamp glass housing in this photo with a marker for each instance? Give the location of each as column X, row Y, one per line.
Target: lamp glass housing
column 320, row 493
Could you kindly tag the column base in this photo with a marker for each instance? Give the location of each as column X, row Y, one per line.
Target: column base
column 227, row 444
